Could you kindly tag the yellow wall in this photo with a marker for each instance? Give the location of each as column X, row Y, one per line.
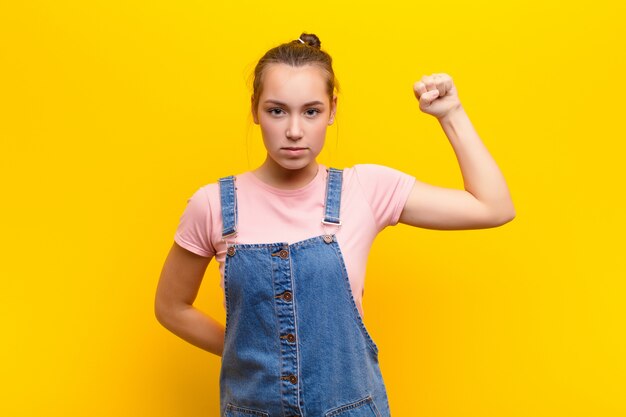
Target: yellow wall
column 113, row 113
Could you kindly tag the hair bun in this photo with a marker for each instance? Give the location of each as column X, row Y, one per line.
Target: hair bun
column 311, row 40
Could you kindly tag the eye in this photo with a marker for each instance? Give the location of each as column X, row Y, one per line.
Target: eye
column 312, row 112
column 276, row 111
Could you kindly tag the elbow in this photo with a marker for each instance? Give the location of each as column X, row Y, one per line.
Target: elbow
column 509, row 216
column 503, row 216
column 498, row 214
column 159, row 312
column 168, row 312
column 162, row 312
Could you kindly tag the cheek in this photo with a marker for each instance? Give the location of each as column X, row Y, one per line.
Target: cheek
column 269, row 128
column 320, row 127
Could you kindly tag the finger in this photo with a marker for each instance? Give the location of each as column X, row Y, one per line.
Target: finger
column 429, row 82
column 449, row 83
column 446, row 83
column 440, row 84
column 442, row 87
column 419, row 88
column 427, row 98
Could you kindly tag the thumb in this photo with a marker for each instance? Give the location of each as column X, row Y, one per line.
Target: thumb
column 429, row 97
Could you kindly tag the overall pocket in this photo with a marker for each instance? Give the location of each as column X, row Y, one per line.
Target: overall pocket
column 364, row 407
column 355, row 312
column 236, row 411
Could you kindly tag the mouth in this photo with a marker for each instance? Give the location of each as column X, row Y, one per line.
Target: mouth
column 294, row 150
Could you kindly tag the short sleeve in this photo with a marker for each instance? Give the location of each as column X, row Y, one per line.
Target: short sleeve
column 386, row 190
column 194, row 224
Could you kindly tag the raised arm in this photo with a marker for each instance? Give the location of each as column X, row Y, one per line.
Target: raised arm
column 177, row 290
column 485, row 202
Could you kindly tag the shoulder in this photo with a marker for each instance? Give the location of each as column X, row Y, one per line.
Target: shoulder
column 374, row 174
column 204, row 200
column 202, row 195
column 369, row 168
column 210, row 192
column 386, row 190
column 199, row 204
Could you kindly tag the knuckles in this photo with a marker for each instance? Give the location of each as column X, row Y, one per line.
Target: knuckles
column 435, row 81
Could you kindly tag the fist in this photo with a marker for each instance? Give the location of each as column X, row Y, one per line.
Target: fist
column 437, row 95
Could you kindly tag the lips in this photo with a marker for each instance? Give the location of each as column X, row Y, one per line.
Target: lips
column 294, row 151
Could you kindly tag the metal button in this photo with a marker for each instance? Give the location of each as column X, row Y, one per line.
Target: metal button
column 290, row 338
column 283, row 253
column 287, row 296
column 328, row 238
column 292, row 378
column 230, row 251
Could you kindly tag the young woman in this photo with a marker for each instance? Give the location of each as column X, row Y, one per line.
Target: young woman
column 292, row 239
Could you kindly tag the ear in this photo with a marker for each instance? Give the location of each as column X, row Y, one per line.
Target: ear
column 255, row 115
column 333, row 110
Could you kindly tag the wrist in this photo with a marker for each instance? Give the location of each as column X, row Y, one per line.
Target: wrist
column 453, row 114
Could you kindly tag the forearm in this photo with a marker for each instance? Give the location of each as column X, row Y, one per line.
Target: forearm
column 195, row 327
column 481, row 175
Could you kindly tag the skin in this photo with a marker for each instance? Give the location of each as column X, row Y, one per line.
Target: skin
column 294, row 111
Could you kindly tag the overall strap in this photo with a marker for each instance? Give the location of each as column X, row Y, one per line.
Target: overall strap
column 332, row 203
column 228, row 200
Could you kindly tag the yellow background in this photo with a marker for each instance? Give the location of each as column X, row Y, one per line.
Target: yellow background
column 112, row 113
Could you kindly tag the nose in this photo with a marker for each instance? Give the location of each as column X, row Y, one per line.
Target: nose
column 294, row 129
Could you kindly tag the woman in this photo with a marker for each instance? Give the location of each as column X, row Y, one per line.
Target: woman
column 292, row 239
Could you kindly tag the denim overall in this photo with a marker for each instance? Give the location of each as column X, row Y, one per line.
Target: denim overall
column 295, row 344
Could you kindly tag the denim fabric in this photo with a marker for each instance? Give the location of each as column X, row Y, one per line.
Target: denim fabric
column 229, row 205
column 295, row 343
column 333, row 195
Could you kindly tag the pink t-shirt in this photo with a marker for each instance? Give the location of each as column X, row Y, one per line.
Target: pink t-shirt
column 372, row 198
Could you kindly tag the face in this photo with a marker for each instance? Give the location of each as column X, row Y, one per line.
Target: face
column 294, row 111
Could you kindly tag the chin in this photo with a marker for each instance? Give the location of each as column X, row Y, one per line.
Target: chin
column 294, row 164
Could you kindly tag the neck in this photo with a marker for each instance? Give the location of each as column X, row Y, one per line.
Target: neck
column 289, row 179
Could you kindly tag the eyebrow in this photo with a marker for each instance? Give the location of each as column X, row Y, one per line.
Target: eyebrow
column 280, row 103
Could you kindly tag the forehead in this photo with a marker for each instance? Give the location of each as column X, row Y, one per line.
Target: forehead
column 294, row 84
